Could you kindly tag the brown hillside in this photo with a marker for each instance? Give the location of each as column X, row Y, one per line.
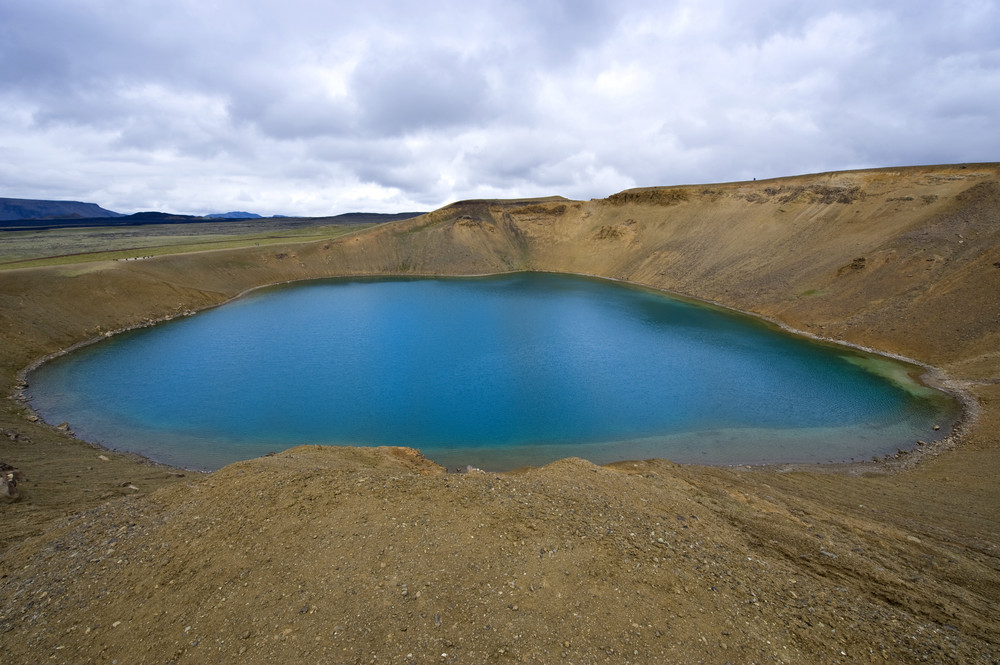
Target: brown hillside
column 377, row 555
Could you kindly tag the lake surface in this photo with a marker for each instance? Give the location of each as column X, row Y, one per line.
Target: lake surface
column 494, row 372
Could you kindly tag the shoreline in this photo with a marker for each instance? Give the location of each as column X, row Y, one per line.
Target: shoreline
column 904, row 459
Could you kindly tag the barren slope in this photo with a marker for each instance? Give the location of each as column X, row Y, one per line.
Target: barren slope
column 344, row 555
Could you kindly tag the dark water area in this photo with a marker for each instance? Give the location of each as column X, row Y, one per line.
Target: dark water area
column 494, row 372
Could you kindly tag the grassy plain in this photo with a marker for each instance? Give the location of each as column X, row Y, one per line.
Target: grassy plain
column 348, row 555
column 28, row 249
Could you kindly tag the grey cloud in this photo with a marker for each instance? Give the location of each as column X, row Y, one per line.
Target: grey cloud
column 404, row 92
column 409, row 175
column 517, row 157
column 384, row 162
column 555, row 32
column 291, row 112
column 309, row 103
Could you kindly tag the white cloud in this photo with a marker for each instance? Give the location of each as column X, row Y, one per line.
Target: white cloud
column 310, row 107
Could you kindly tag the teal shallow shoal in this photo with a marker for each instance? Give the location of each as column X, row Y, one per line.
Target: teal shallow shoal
column 495, row 372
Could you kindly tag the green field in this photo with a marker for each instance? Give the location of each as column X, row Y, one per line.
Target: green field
column 24, row 249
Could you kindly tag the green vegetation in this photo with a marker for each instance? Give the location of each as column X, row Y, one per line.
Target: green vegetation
column 904, row 375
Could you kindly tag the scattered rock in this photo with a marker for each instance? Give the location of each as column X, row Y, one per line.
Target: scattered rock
column 16, row 436
column 608, row 233
column 9, row 478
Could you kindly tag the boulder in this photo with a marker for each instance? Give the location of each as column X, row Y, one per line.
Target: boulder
column 9, row 478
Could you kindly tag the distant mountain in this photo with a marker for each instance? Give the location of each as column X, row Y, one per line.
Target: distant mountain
column 154, row 216
column 14, row 209
column 236, row 214
column 30, row 214
column 135, row 219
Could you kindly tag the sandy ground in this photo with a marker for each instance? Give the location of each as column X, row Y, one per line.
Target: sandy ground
column 347, row 555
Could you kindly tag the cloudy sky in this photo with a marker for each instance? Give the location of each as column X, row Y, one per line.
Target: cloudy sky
column 314, row 107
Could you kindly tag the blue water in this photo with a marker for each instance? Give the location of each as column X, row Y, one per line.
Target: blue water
column 495, row 372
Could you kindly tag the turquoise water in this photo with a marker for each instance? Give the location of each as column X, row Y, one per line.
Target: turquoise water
column 496, row 372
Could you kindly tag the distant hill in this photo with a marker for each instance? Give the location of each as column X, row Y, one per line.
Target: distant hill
column 236, row 214
column 16, row 209
column 152, row 217
column 26, row 214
